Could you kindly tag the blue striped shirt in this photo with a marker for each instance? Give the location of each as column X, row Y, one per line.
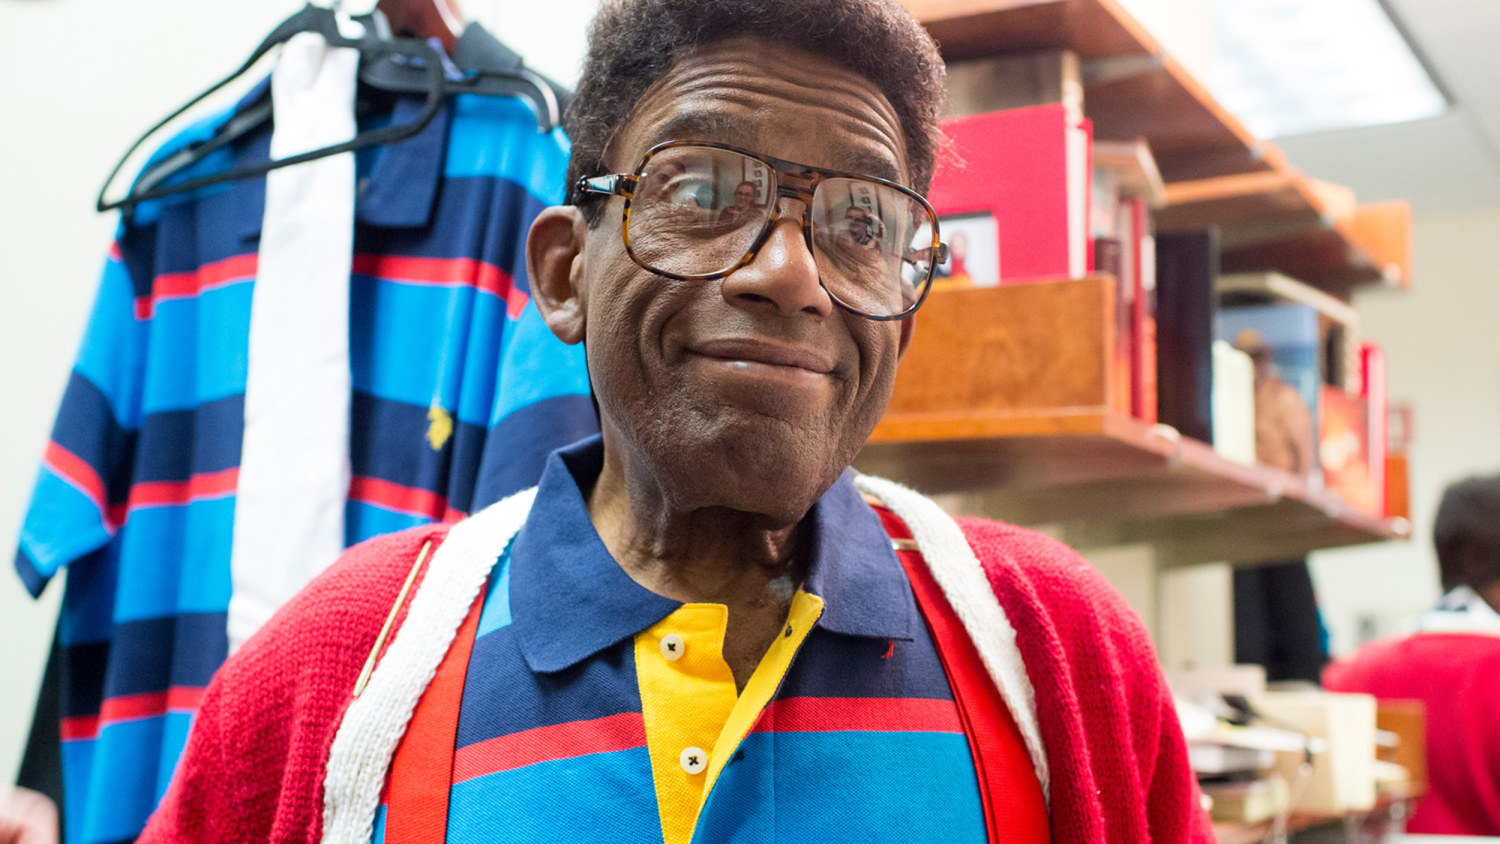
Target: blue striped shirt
column 460, row 391
column 861, row 742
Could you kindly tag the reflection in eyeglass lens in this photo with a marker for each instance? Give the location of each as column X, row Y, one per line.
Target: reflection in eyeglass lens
column 698, row 211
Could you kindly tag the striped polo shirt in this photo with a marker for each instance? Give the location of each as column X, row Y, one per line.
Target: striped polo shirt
column 595, row 710
column 460, row 392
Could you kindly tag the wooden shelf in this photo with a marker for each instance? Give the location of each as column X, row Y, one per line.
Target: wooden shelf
column 1217, row 173
column 1110, row 480
column 1372, row 248
column 1190, row 134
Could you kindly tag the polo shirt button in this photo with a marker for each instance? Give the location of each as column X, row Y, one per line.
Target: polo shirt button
column 672, row 646
column 694, row 760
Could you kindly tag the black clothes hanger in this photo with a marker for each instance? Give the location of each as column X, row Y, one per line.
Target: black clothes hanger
column 417, row 58
column 486, row 67
column 481, row 53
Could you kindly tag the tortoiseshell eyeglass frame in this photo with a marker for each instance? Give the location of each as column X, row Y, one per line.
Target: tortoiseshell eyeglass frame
column 789, row 179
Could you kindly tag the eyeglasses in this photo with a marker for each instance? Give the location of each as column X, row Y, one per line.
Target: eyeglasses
column 698, row 211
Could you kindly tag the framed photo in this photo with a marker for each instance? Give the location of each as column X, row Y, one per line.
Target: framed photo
column 757, row 174
column 973, row 249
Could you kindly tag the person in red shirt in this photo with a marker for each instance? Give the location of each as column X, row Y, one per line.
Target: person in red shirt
column 1449, row 659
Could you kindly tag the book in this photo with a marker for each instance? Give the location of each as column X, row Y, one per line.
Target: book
column 1114, row 257
column 1338, row 321
column 1233, row 403
column 1372, row 390
column 1399, row 419
column 1248, row 802
column 1186, row 265
column 1028, row 169
column 1344, row 448
column 1284, row 342
column 1211, row 759
column 1141, row 254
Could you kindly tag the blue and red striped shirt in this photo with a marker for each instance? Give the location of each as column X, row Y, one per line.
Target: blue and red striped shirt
column 860, row 741
column 460, row 391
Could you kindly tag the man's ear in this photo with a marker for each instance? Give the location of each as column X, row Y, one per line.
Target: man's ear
column 554, row 261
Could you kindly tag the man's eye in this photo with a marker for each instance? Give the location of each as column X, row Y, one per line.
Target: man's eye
column 690, row 189
column 861, row 232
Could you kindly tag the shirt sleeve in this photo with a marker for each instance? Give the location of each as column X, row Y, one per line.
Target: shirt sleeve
column 78, row 501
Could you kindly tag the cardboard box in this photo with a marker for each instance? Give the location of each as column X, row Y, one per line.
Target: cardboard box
column 1342, row 778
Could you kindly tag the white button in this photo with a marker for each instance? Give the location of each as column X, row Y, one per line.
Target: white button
column 694, row 760
column 672, row 646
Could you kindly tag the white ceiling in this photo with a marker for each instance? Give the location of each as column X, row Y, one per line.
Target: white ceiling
column 1448, row 162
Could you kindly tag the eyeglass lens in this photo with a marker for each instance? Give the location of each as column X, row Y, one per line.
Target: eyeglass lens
column 697, row 211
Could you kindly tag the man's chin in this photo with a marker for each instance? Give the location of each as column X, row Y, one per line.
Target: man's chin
column 757, row 474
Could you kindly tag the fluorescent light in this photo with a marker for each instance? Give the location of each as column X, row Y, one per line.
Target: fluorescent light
column 1289, row 67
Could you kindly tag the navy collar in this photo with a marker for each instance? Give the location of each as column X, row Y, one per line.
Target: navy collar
column 570, row 599
column 396, row 185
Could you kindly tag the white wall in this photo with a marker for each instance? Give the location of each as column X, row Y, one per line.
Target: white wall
column 1443, row 343
column 79, row 81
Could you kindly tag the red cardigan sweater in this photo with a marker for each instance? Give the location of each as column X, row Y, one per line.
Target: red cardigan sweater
column 254, row 764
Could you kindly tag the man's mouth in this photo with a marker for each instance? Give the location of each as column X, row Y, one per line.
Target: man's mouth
column 765, row 352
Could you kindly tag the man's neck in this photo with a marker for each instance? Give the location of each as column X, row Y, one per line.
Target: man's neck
column 712, row 555
column 704, row 554
column 1491, row 595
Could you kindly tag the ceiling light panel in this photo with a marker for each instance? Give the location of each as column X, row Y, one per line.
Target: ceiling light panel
column 1291, row 67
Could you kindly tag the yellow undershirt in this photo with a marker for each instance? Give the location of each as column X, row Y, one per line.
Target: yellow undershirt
column 695, row 719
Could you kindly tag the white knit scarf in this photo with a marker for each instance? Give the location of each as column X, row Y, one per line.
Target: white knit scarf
column 375, row 722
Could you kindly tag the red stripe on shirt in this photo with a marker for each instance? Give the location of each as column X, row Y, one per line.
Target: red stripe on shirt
column 76, row 471
column 863, row 714
column 480, row 275
column 516, row 302
column 485, row 277
column 131, row 708
column 167, row 493
column 186, row 285
column 403, row 499
column 625, row 731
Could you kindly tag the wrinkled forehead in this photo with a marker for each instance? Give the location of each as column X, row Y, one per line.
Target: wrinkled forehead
column 779, row 101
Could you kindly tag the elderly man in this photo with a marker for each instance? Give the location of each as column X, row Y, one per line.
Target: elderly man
column 702, row 626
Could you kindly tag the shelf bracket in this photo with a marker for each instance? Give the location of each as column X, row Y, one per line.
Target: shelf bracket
column 1115, row 68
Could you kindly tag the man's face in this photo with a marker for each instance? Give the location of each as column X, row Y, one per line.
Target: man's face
column 744, row 195
column 755, row 391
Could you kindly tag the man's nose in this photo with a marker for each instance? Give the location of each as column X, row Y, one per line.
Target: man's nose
column 783, row 272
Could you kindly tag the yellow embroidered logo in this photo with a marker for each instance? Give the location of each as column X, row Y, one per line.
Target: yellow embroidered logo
column 441, row 427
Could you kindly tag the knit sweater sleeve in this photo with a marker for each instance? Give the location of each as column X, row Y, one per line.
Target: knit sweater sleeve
column 1119, row 762
column 253, row 767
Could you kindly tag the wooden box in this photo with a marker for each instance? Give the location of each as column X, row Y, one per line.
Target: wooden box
column 989, row 361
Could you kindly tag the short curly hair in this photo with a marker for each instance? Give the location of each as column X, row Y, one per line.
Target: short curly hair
column 1467, row 533
column 633, row 43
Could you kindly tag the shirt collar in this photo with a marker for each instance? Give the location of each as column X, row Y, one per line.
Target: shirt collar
column 570, row 599
column 396, row 185
column 1462, row 610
